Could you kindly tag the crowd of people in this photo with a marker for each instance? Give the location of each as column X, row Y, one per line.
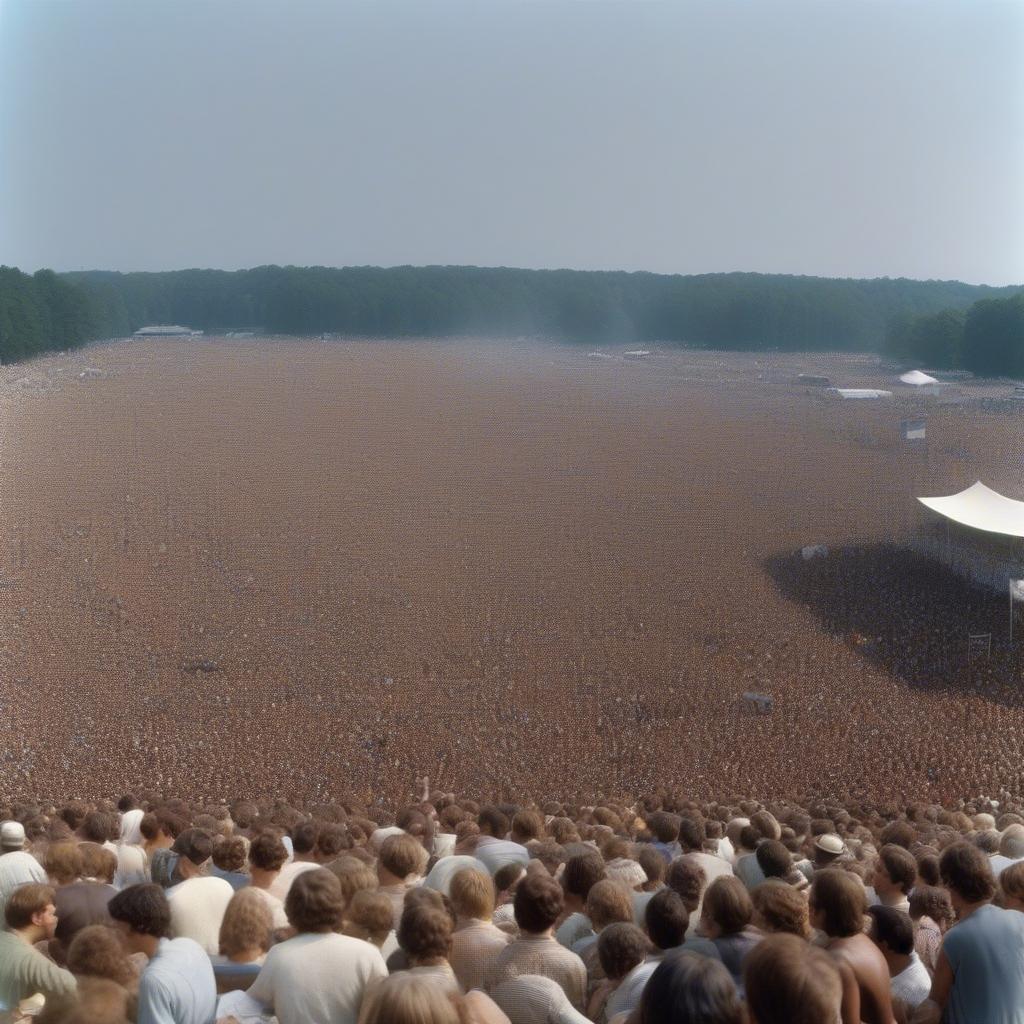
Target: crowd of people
column 665, row 910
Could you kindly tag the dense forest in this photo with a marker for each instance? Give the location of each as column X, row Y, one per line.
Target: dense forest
column 726, row 311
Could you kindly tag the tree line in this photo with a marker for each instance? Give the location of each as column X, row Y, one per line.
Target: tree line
column 987, row 338
column 737, row 311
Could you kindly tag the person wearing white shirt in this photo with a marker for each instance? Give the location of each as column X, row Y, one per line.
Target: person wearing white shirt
column 492, row 847
column 1011, row 849
column 16, row 867
column 318, row 977
column 892, row 931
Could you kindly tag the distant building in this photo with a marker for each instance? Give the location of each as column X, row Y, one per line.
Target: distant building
column 165, row 331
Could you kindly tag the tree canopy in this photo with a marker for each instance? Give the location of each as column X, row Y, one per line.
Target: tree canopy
column 726, row 311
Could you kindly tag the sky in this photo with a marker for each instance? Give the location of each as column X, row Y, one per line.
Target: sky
column 826, row 137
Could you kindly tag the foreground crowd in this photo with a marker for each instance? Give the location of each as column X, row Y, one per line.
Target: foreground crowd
column 665, row 912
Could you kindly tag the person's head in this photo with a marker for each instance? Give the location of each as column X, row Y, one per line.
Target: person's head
column 96, row 951
column 1011, row 886
column 967, row 875
column 686, row 877
column 31, row 911
column 97, row 827
column 620, row 947
column 664, row 826
column 1011, row 842
column 142, row 916
column 538, row 903
column 314, row 902
column 369, row 916
column 425, row 933
column 788, row 980
column 581, row 873
column 229, row 853
column 247, row 926
column 63, row 862
column 304, row 837
column 687, row 988
column 892, row 932
column 401, row 856
column 267, row 853
column 194, row 846
column 828, row 848
column 472, row 894
column 895, row 873
column 98, row 862
column 666, row 918
column 779, row 907
column 493, row 822
column 12, row 836
column 837, row 903
column 934, row 902
column 331, row 842
column 691, row 835
column 727, row 907
column 774, row 859
column 405, row 998
column 354, row 876
column 507, row 877
column 654, row 867
column 93, row 1001
column 608, row 902
column 527, row 825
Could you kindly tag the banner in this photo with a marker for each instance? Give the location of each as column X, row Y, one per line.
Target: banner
column 912, row 430
column 1017, row 590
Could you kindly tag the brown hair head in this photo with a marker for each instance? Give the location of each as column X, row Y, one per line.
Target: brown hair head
column 787, row 979
column 314, row 902
column 779, row 907
column 472, row 894
column 841, row 900
column 96, row 951
column 727, row 904
column 247, row 924
column 25, row 902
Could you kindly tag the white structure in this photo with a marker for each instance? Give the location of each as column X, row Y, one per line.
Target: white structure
column 860, row 393
column 638, row 353
column 918, row 379
column 980, row 536
column 164, row 331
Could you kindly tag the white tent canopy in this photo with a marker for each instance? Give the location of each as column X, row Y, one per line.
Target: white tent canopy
column 918, row 378
column 982, row 509
column 860, row 393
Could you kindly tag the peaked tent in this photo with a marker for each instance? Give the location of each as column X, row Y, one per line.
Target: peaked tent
column 982, row 509
column 917, row 378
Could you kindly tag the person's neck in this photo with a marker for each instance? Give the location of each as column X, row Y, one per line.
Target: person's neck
column 304, row 858
column 30, row 935
column 384, row 877
column 890, row 897
column 246, row 956
column 964, row 910
column 187, row 870
column 546, row 934
column 461, row 921
column 147, row 944
column 898, row 963
column 429, row 961
column 260, row 879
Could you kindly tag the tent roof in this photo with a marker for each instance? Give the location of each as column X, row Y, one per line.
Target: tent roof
column 918, row 378
column 981, row 508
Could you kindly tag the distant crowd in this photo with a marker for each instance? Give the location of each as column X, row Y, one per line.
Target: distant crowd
column 666, row 911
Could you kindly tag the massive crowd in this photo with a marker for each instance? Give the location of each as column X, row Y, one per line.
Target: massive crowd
column 665, row 910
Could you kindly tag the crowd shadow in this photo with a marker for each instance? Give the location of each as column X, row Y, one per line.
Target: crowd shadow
column 910, row 616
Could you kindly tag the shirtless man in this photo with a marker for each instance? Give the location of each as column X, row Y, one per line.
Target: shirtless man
column 837, row 907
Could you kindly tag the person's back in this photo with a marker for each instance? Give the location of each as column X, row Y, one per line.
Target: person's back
column 318, row 978
column 986, row 955
column 177, row 986
column 197, row 910
column 861, row 955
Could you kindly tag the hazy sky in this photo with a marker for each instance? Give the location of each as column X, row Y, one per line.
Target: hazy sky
column 824, row 137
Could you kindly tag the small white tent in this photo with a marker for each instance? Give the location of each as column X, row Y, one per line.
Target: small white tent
column 917, row 378
column 860, row 393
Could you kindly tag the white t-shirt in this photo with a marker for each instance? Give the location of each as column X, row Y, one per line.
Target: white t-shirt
column 318, row 978
column 197, row 910
column 275, row 905
column 913, row 983
column 279, row 886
